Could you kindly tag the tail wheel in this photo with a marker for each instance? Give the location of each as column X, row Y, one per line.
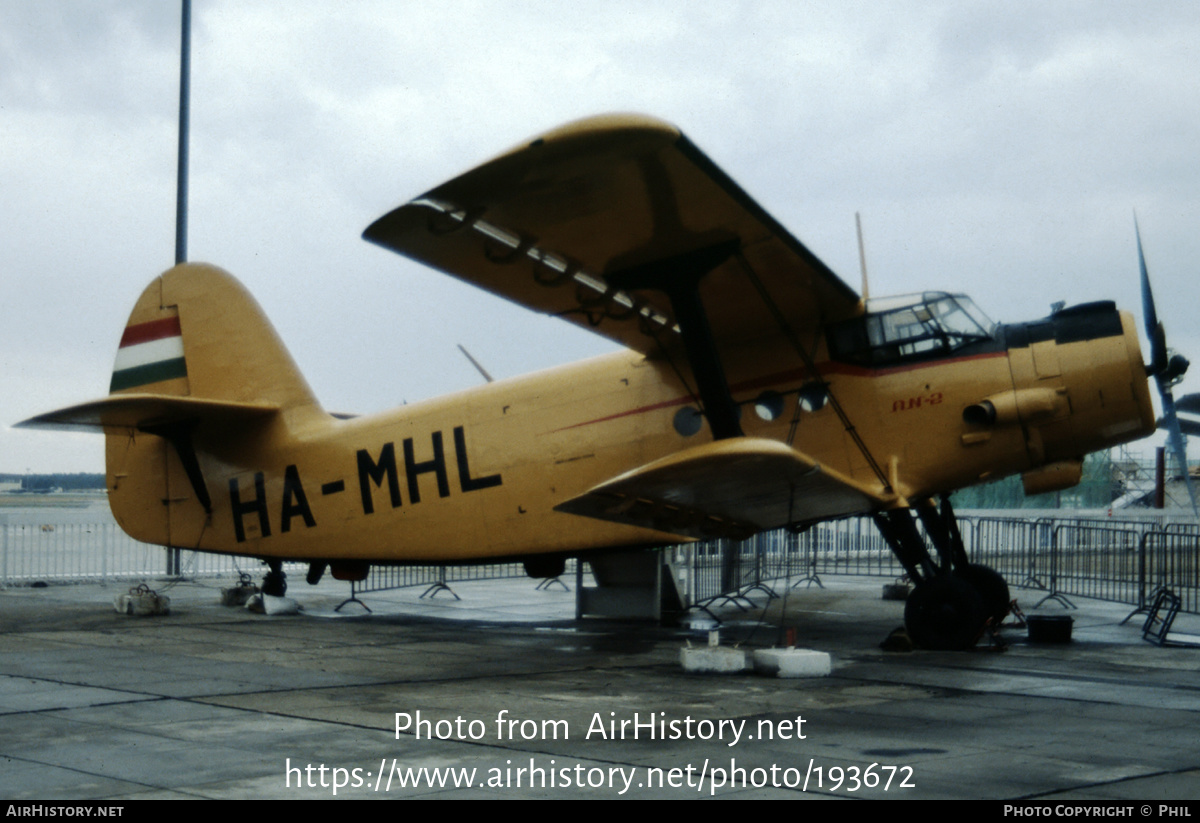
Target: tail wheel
column 275, row 581
column 992, row 590
column 945, row 614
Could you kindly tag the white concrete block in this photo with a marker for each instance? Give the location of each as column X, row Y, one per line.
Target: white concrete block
column 269, row 604
column 714, row 659
column 792, row 663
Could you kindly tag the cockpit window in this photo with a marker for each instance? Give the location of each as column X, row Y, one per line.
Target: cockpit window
column 910, row 328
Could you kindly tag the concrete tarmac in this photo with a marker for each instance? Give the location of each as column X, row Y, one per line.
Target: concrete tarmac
column 217, row 702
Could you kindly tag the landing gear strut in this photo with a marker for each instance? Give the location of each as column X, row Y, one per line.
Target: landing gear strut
column 954, row 598
column 275, row 581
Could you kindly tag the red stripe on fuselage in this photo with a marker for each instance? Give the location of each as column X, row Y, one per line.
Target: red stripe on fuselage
column 153, row 330
column 832, row 367
column 828, row 367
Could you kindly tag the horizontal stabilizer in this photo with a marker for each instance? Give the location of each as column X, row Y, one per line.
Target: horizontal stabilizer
column 728, row 488
column 133, row 411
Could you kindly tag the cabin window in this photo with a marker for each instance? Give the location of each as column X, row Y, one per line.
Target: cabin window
column 912, row 328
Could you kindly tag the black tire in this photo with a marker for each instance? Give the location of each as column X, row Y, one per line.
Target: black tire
column 993, row 591
column 275, row 584
column 944, row 614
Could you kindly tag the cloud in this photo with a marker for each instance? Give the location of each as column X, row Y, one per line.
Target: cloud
column 997, row 150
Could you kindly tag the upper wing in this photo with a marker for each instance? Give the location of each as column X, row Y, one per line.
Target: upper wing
column 548, row 223
column 728, row 488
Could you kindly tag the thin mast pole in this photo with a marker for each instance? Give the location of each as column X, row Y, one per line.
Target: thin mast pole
column 862, row 256
column 181, row 187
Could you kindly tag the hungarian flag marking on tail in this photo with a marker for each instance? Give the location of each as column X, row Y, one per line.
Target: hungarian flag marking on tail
column 150, row 353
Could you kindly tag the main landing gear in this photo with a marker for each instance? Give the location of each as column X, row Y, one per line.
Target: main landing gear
column 953, row 599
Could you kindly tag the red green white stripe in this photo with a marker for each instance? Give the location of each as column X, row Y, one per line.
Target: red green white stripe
column 149, row 353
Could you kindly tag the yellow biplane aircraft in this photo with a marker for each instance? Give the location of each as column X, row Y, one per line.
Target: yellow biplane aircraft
column 756, row 391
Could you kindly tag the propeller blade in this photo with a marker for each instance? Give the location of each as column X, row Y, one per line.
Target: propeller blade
column 1189, row 403
column 1154, row 330
column 1166, row 370
column 1178, row 446
column 1149, row 316
column 1188, row 427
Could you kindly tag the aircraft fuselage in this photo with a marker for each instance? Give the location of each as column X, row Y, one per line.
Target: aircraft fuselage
column 477, row 474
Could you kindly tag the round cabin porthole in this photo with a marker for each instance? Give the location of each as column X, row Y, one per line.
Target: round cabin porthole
column 688, row 421
column 813, row 396
column 769, row 405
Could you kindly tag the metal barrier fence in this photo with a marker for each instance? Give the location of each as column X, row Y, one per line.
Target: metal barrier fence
column 1169, row 561
column 44, row 549
column 1018, row 549
column 1095, row 561
column 1113, row 559
column 385, row 578
column 58, row 552
column 1119, row 559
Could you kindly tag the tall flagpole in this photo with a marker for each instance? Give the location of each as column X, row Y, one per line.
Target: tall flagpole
column 174, row 564
column 181, row 188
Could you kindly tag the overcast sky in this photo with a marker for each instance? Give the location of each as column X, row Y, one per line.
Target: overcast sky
column 994, row 148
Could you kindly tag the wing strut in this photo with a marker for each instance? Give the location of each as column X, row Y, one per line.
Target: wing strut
column 679, row 278
column 811, row 365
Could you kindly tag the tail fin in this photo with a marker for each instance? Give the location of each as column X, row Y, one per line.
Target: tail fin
column 196, row 332
column 198, row 364
column 196, row 345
